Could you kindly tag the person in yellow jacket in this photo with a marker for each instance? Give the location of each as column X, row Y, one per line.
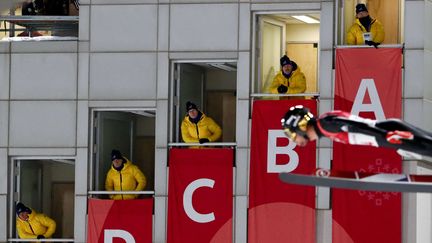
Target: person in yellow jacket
column 197, row 127
column 33, row 225
column 124, row 176
column 289, row 80
column 365, row 30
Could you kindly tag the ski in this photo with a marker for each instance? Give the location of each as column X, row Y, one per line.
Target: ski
column 361, row 180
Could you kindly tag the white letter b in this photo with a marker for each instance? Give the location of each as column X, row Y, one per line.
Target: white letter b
column 273, row 150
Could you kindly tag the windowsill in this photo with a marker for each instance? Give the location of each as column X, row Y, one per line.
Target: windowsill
column 284, row 95
column 210, row 144
column 40, row 38
column 44, row 240
column 366, row 46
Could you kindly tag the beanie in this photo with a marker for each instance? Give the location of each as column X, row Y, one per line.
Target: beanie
column 20, row 208
column 285, row 61
column 190, row 106
column 115, row 154
column 360, row 8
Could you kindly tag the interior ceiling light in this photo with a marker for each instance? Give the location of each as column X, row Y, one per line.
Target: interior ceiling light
column 142, row 113
column 224, row 66
column 306, row 19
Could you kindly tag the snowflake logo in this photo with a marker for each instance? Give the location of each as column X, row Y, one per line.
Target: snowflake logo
column 377, row 197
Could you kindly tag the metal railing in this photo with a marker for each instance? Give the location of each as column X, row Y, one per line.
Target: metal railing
column 41, row 240
column 284, row 95
column 41, row 23
column 34, row 18
column 120, row 192
column 366, row 46
column 217, row 144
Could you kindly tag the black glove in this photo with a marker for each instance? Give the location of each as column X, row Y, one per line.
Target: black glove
column 371, row 43
column 40, row 237
column 282, row 89
column 204, row 140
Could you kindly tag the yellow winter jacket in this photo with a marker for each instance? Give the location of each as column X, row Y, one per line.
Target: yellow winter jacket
column 355, row 33
column 205, row 128
column 37, row 224
column 130, row 178
column 296, row 83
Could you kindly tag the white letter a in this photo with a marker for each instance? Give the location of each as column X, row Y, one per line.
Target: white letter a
column 375, row 105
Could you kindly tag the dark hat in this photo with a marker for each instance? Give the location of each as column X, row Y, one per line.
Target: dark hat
column 360, row 8
column 20, row 208
column 27, row 8
column 190, row 106
column 285, row 61
column 115, row 154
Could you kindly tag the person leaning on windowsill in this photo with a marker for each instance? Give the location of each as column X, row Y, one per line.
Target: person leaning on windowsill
column 124, row 176
column 197, row 127
column 365, row 30
column 33, row 225
column 289, row 80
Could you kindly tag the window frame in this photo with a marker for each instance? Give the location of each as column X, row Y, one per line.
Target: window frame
column 92, row 147
column 14, row 182
column 174, row 106
column 255, row 73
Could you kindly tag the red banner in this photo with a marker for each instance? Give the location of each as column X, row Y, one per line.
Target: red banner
column 120, row 221
column 200, row 195
column 368, row 84
column 279, row 212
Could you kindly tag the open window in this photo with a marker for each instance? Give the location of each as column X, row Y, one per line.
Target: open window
column 295, row 34
column 42, row 19
column 211, row 86
column 46, row 185
column 389, row 13
column 132, row 132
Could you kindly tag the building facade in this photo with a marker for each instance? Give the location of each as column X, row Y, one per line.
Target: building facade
column 53, row 94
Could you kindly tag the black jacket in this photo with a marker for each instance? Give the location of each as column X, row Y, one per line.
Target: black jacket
column 350, row 129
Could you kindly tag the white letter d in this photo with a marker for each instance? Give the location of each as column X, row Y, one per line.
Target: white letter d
column 110, row 234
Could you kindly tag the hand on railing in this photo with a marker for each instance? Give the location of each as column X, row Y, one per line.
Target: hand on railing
column 371, row 43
